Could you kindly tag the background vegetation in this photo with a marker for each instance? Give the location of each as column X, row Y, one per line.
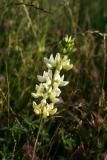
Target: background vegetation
column 27, row 34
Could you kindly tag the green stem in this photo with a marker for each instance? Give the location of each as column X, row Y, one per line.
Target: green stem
column 37, row 137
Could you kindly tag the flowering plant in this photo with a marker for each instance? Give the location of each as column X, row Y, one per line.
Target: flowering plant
column 48, row 91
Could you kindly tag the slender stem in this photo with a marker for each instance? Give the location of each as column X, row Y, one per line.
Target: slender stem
column 102, row 97
column 37, row 137
column 8, row 93
column 29, row 18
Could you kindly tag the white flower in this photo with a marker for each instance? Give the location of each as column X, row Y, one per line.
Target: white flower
column 42, row 78
column 39, row 91
column 50, row 63
column 59, row 81
column 37, row 108
column 44, row 108
column 47, row 77
column 53, row 62
column 53, row 94
column 49, row 110
column 66, row 63
column 58, row 62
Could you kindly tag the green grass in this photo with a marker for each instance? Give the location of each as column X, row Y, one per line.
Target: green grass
column 27, row 34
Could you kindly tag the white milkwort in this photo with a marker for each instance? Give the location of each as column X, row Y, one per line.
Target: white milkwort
column 50, row 82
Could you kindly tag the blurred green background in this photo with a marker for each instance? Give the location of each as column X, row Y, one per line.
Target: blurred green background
column 30, row 30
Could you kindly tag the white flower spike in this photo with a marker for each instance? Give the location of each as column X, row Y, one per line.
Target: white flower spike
column 49, row 88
